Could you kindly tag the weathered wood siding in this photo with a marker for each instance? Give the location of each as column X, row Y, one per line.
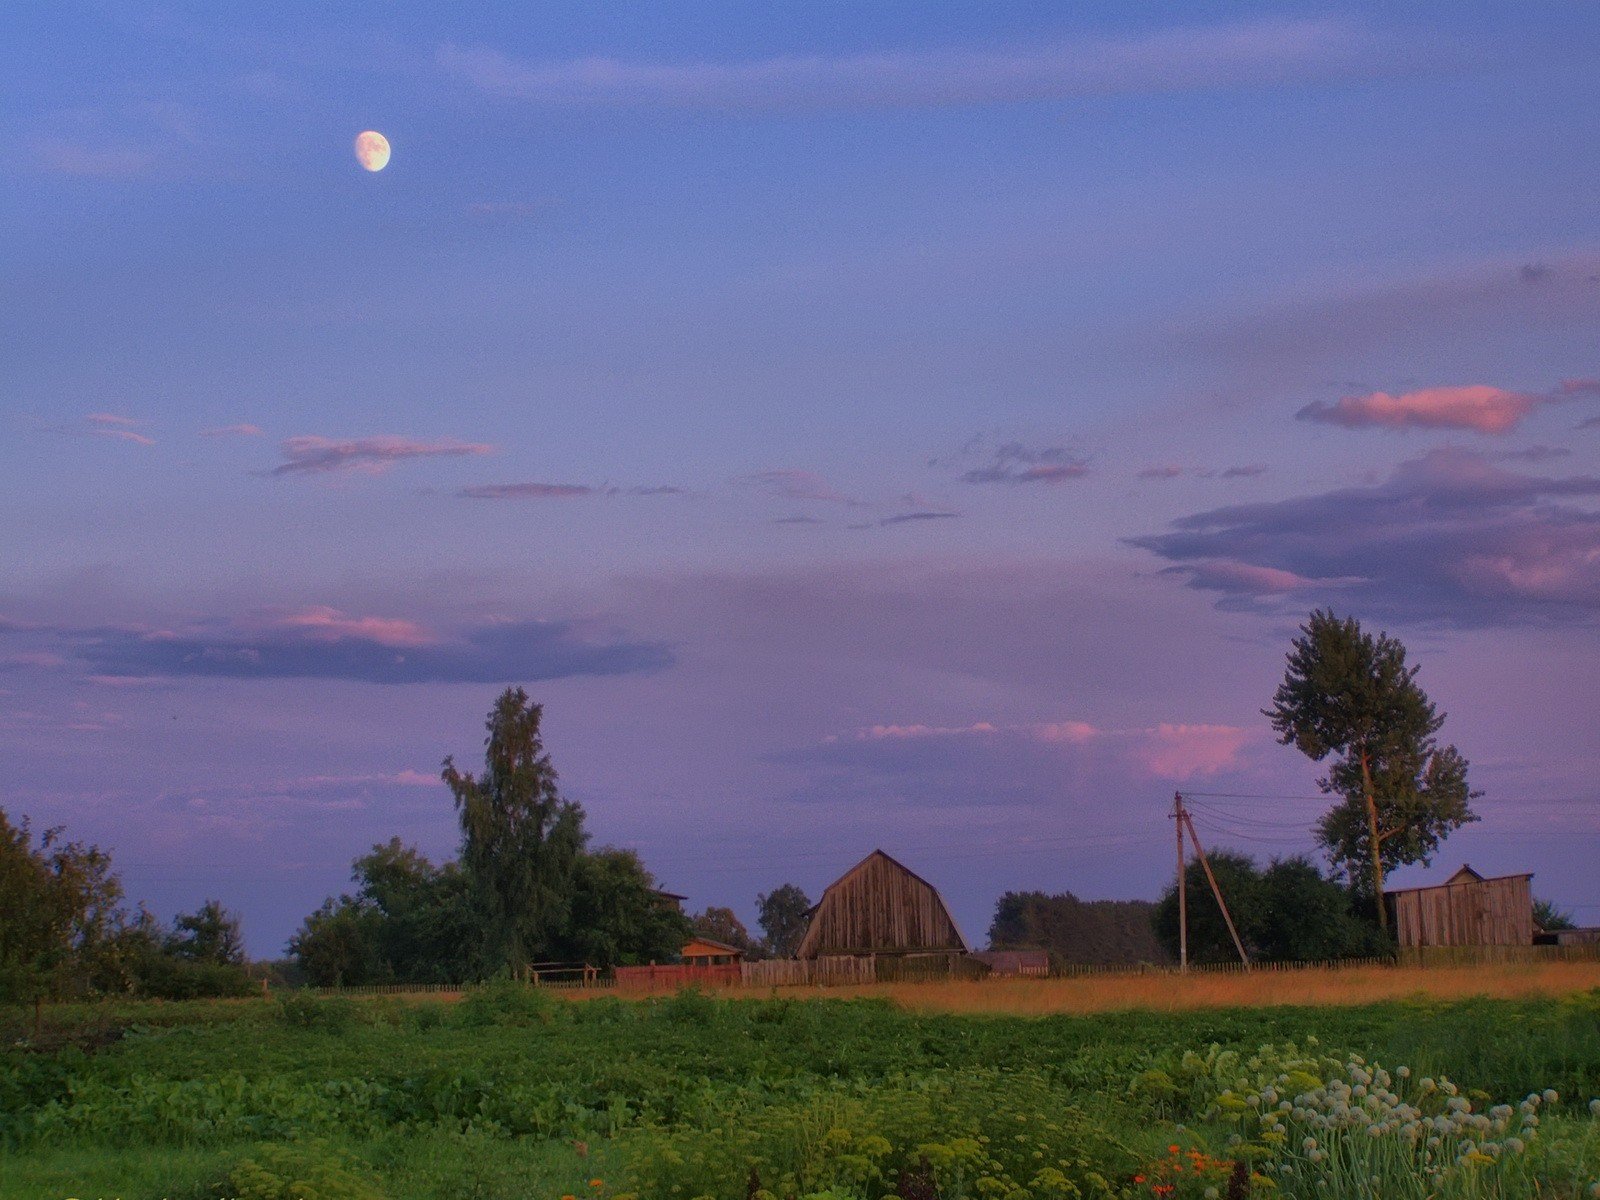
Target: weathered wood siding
column 880, row 907
column 817, row 972
column 1473, row 912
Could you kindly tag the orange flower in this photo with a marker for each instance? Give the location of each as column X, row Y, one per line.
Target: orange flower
column 597, row 1183
column 1136, row 1179
column 1172, row 1149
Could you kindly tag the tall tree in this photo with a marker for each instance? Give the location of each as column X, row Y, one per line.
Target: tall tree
column 210, row 934
column 617, row 915
column 1350, row 694
column 519, row 839
column 722, row 925
column 783, row 914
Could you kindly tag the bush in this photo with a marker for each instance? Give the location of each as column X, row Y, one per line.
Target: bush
column 299, row 1171
column 506, row 1002
column 307, row 1011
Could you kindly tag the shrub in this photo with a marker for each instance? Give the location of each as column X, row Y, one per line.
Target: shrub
column 506, row 1002
column 299, row 1171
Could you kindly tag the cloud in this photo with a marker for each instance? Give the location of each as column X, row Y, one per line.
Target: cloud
column 1457, row 303
column 325, row 643
column 1012, row 462
column 912, row 517
column 1449, row 537
column 525, row 491
column 557, row 491
column 1171, row 471
column 312, row 455
column 798, row 520
column 1478, row 408
column 1534, row 454
column 108, row 425
column 791, row 483
column 1259, row 52
column 1021, row 765
column 233, row 431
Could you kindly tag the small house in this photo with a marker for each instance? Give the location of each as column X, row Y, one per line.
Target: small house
column 708, row 952
column 881, row 907
column 1468, row 909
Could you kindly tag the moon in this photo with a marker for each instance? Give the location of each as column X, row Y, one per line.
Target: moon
column 372, row 150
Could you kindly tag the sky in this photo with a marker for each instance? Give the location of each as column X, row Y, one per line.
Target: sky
column 892, row 425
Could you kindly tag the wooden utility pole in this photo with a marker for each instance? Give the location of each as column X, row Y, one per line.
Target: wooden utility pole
column 1178, row 817
column 1215, row 889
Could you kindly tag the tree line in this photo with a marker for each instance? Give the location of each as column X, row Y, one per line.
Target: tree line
column 65, row 931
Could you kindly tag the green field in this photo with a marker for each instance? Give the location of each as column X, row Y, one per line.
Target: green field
column 510, row 1093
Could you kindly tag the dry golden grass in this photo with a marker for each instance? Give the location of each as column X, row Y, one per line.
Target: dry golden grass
column 1337, row 986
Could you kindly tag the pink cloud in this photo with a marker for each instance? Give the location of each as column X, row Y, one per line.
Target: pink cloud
column 233, row 431
column 1476, row 407
column 1179, row 752
column 322, row 623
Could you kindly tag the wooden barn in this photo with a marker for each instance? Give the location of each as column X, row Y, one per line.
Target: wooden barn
column 1465, row 910
column 881, row 907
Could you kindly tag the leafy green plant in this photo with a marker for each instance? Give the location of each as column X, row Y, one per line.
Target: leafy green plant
column 299, row 1171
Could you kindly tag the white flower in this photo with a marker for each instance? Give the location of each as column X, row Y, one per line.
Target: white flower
column 1551, row 1095
column 1594, row 1107
column 1403, row 1072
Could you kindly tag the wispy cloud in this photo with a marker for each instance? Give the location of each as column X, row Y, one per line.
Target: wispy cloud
column 792, row 483
column 1246, row 53
column 312, row 455
column 1173, row 471
column 922, row 515
column 559, row 491
column 233, row 431
column 1014, row 462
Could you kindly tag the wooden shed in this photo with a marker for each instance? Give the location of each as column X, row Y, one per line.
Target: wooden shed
column 704, row 951
column 1465, row 910
column 881, row 907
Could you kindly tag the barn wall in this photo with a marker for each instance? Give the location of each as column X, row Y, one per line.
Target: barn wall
column 880, row 908
column 1486, row 912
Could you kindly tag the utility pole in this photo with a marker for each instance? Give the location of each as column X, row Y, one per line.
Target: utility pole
column 1216, row 890
column 1178, row 818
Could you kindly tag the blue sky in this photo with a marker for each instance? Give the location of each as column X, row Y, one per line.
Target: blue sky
column 892, row 424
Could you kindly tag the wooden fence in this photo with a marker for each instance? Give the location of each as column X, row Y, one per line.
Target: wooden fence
column 669, row 977
column 1472, row 956
column 846, row 971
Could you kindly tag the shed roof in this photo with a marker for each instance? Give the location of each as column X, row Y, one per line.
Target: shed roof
column 711, row 943
column 1465, row 875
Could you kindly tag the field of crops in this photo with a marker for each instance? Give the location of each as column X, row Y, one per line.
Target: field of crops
column 513, row 1093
